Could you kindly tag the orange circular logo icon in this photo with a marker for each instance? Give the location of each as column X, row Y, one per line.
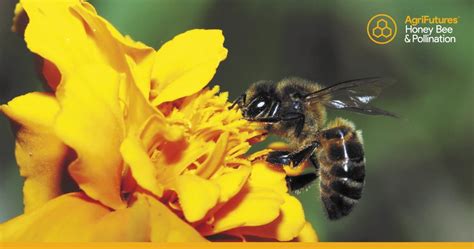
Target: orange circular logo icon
column 381, row 29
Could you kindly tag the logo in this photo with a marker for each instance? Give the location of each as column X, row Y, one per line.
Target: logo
column 381, row 29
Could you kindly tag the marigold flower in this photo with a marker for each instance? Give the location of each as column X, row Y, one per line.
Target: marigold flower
column 130, row 145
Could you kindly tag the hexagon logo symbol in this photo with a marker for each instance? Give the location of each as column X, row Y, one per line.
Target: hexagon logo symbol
column 381, row 29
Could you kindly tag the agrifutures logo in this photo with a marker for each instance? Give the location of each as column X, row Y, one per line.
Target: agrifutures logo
column 382, row 29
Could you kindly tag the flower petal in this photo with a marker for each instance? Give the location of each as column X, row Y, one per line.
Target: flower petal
column 215, row 159
column 265, row 190
column 143, row 170
column 231, row 182
column 265, row 175
column 59, row 36
column 196, row 196
column 184, row 65
column 91, row 122
column 41, row 165
column 167, row 227
column 241, row 210
column 69, row 34
column 307, row 234
column 129, row 224
column 290, row 222
column 67, row 218
column 135, row 59
column 285, row 228
column 51, row 74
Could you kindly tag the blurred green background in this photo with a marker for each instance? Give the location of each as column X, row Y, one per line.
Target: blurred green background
column 419, row 168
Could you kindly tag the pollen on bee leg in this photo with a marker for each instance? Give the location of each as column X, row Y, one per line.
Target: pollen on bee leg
column 290, row 170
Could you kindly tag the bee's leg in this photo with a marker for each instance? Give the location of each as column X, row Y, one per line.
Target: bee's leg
column 298, row 182
column 295, row 183
column 291, row 158
column 314, row 160
column 291, row 116
column 299, row 118
column 238, row 101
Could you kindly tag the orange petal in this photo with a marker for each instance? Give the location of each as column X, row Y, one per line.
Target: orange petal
column 41, row 165
column 58, row 35
column 215, row 159
column 156, row 128
column 285, row 228
column 167, row 227
column 265, row 190
column 174, row 159
column 90, row 122
column 134, row 59
column 51, row 74
column 129, row 224
column 143, row 170
column 307, row 234
column 67, row 218
column 265, row 175
column 69, row 34
column 231, row 182
column 186, row 64
column 241, row 210
column 196, row 196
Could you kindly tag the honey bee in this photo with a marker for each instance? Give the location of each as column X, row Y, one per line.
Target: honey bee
column 295, row 109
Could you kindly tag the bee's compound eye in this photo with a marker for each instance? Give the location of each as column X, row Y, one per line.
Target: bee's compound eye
column 257, row 106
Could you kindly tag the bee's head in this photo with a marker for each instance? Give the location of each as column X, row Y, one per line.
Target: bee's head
column 258, row 101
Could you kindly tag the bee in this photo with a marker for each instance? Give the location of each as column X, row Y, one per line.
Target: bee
column 295, row 109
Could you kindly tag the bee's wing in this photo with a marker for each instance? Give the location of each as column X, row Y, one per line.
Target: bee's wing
column 353, row 95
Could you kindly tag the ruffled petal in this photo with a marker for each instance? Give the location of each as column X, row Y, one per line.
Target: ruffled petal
column 41, row 165
column 285, row 228
column 290, row 222
column 51, row 74
column 90, row 122
column 265, row 190
column 167, row 227
column 241, row 211
column 231, row 182
column 135, row 59
column 142, row 168
column 68, row 218
column 184, row 65
column 70, row 34
column 196, row 196
column 307, row 234
column 129, row 224
column 268, row 176
column 59, row 36
column 215, row 159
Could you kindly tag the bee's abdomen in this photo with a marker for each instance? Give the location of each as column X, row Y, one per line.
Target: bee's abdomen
column 342, row 171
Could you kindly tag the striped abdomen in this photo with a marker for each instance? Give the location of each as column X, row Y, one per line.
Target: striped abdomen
column 342, row 170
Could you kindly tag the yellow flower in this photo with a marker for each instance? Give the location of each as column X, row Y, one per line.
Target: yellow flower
column 129, row 144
